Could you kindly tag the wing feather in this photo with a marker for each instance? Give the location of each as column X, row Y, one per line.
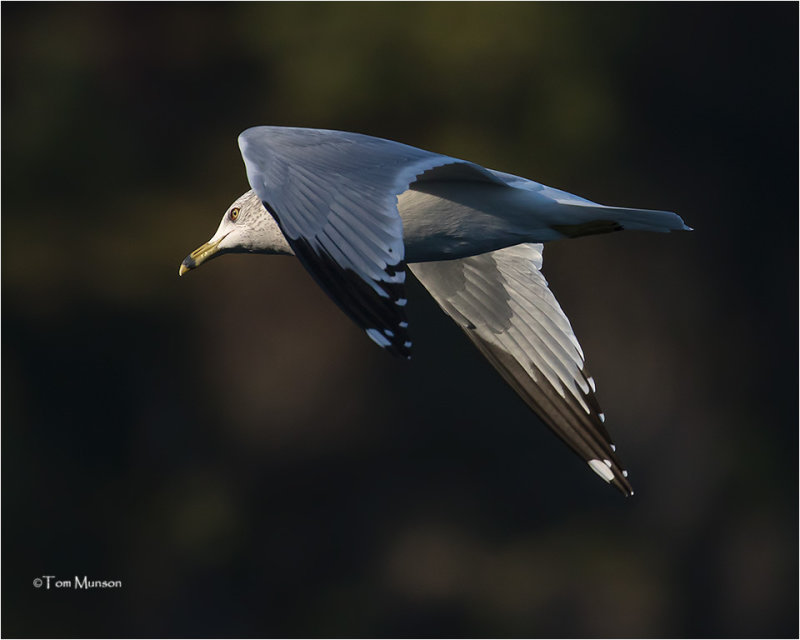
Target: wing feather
column 502, row 302
column 334, row 197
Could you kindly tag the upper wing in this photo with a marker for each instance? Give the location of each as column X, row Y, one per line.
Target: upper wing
column 334, row 196
column 502, row 302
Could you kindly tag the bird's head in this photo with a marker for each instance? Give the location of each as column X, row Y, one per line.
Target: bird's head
column 246, row 227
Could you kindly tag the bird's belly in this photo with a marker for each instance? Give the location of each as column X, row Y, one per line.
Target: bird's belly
column 449, row 220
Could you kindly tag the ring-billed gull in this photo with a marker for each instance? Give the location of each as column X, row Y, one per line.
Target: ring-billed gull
column 356, row 210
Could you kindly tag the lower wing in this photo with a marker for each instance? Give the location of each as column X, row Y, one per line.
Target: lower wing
column 502, row 302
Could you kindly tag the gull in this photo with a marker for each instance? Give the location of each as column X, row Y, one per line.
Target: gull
column 356, row 210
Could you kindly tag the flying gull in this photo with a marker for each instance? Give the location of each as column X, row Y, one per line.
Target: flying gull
column 356, row 210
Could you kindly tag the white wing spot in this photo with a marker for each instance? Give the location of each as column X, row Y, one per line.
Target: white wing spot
column 591, row 383
column 407, row 344
column 602, row 417
column 625, row 475
column 613, row 447
column 601, row 470
column 378, row 337
column 403, row 325
column 389, row 333
column 401, row 302
column 608, row 462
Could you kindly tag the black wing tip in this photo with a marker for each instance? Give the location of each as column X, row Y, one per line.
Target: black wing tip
column 624, row 487
column 399, row 352
column 610, row 471
column 584, row 432
column 395, row 342
column 381, row 315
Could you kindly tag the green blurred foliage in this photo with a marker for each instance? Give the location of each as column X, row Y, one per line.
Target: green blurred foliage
column 248, row 464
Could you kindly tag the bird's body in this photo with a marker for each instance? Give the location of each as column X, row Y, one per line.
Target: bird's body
column 356, row 210
column 443, row 220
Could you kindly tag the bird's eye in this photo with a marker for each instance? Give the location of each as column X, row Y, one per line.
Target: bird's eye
column 234, row 214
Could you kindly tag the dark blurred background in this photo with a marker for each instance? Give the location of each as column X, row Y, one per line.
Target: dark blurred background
column 235, row 451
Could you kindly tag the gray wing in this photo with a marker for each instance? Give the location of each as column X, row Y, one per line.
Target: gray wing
column 334, row 196
column 502, row 302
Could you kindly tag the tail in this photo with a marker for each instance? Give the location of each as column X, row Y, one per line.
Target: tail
column 590, row 219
